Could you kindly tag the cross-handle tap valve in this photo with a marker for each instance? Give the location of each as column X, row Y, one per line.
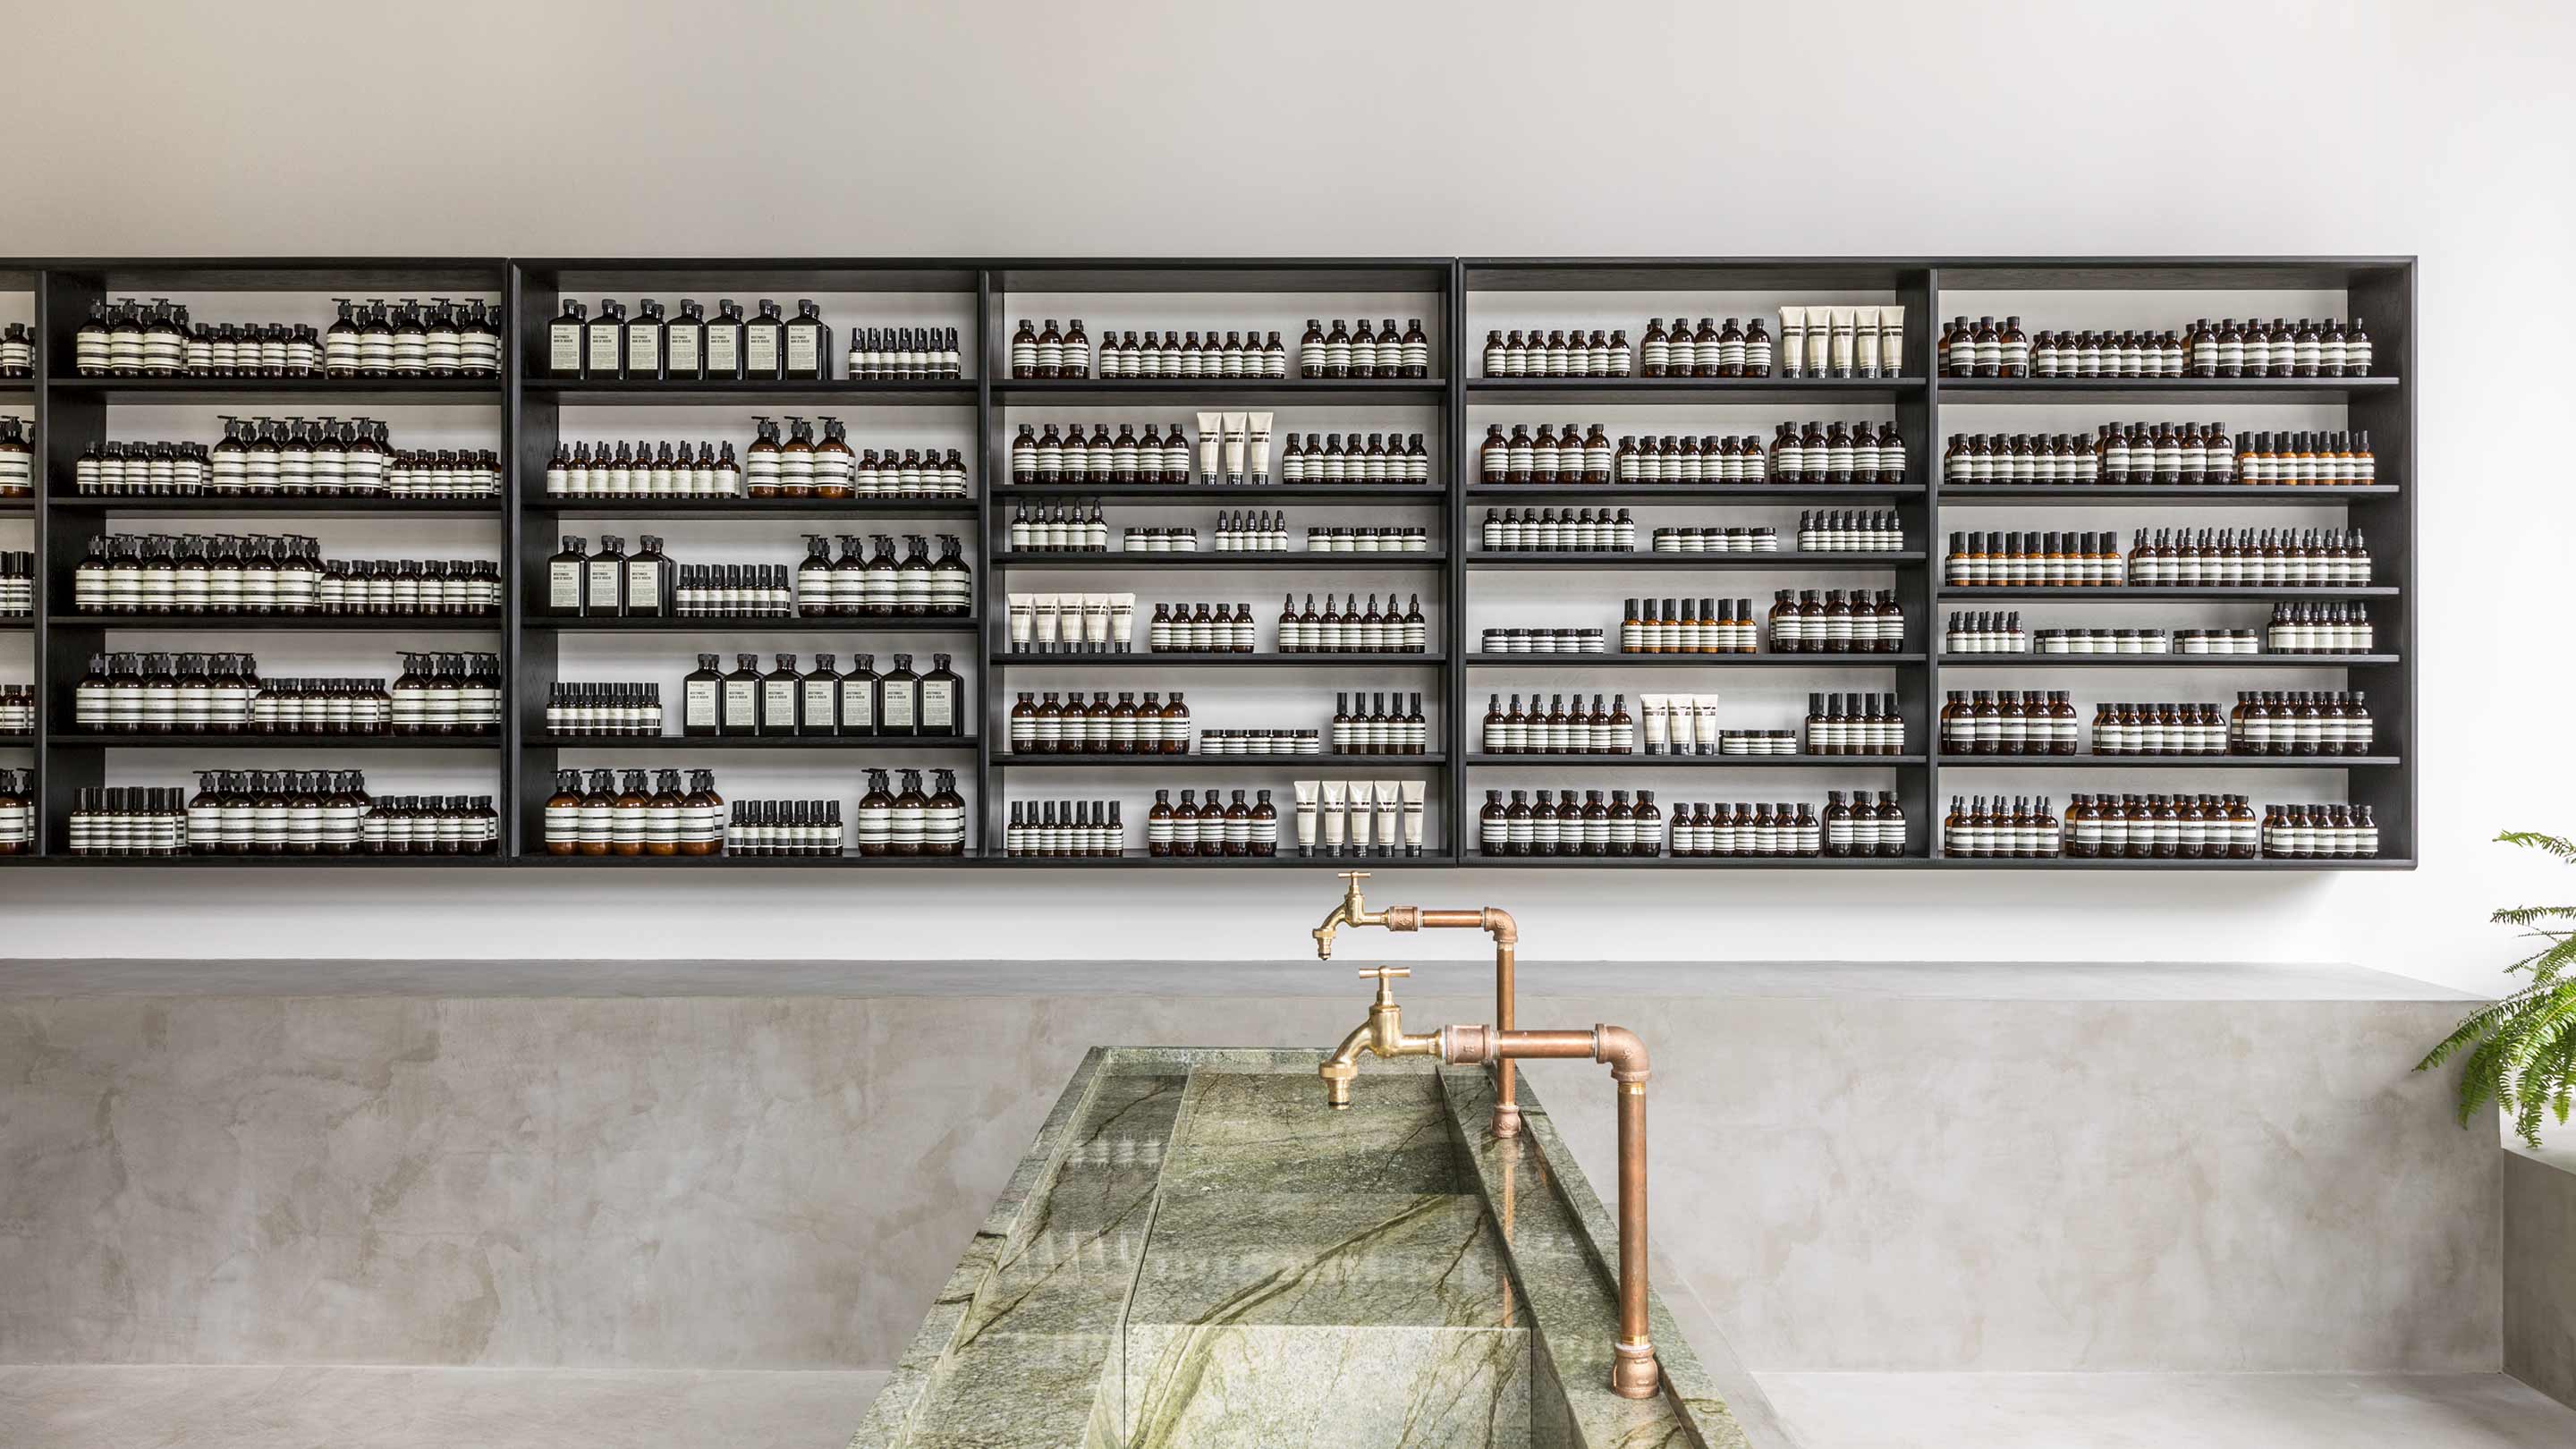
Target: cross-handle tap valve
column 1382, row 1035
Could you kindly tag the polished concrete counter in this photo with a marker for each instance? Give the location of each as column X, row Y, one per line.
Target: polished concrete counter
column 1196, row 1252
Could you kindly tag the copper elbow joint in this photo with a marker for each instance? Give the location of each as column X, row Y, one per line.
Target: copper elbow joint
column 1620, row 1049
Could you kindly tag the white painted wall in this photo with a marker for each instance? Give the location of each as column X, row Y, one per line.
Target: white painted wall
column 1334, row 127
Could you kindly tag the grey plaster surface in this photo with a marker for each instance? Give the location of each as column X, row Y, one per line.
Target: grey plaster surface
column 2540, row 1269
column 1916, row 980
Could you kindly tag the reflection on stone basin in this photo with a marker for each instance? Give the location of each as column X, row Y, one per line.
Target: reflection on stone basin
column 1195, row 1252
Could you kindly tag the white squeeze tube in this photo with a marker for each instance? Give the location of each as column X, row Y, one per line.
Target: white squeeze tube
column 1704, row 719
column 1891, row 340
column 1211, row 446
column 1413, row 790
column 1390, row 807
column 1305, row 815
column 1842, row 341
column 1235, row 427
column 1122, row 620
column 1359, row 815
column 1865, row 341
column 1095, row 620
column 1793, row 341
column 1656, row 708
column 1260, row 447
column 1023, row 620
column 1045, row 613
column 1335, row 823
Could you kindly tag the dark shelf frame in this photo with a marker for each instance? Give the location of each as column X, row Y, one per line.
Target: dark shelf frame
column 70, row 411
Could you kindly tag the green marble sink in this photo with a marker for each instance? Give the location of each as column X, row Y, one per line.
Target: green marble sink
column 1196, row 1254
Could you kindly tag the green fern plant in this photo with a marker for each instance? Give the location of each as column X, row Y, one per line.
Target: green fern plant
column 2521, row 1051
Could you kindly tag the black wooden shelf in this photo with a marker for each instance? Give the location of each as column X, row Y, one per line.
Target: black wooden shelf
column 2162, row 389
column 1647, row 559
column 1695, row 862
column 848, row 860
column 809, row 510
column 529, row 416
column 2262, row 866
column 635, row 392
column 272, row 862
column 2113, row 495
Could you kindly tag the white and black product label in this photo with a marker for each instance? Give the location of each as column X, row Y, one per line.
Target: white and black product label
column 683, row 348
column 800, row 349
column 724, row 348
column 858, row 707
column 760, row 348
column 563, row 349
column 741, row 704
column 644, row 347
column 699, row 705
column 778, row 702
column 643, row 585
column 604, row 576
column 563, row 588
column 603, row 347
column 938, row 705
column 898, row 706
column 821, row 695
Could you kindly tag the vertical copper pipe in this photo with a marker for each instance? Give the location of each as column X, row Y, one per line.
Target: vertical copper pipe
column 1634, row 1372
column 1507, row 1109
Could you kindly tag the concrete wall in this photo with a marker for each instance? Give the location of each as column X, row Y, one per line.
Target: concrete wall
column 1509, row 126
column 1857, row 1168
column 2540, row 1287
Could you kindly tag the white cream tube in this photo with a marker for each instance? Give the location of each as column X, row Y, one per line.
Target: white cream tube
column 1390, row 807
column 1258, row 462
column 1360, row 816
column 1413, row 791
column 1704, row 722
column 1044, row 611
column 1336, row 824
column 1237, row 426
column 1023, row 621
column 1658, row 712
column 1095, row 621
column 1842, row 341
column 1865, row 341
column 1891, row 340
column 1793, row 342
column 1305, row 815
column 1122, row 620
column 1211, row 446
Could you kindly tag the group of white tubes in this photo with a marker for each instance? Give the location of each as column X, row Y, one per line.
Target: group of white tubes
column 1072, row 623
column 1343, row 812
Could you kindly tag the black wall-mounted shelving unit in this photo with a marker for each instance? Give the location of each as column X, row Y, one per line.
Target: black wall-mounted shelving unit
column 1450, row 407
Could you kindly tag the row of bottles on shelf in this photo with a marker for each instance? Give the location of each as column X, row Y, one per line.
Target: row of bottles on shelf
column 601, row 814
column 1040, row 724
column 1813, row 342
column 1800, row 621
column 1047, row 352
column 650, row 345
column 1341, row 627
column 1242, row 829
column 2225, row 348
column 2294, row 723
column 1810, row 454
column 224, row 694
column 264, row 574
column 372, row 339
column 2156, row 827
column 1080, row 528
column 2162, row 454
column 276, row 812
column 823, row 701
column 1611, row 828
column 2295, row 628
column 289, row 458
column 2166, row 558
column 1586, row 530
column 1233, row 450
column 1064, row 829
column 798, row 466
column 17, row 583
column 648, row 584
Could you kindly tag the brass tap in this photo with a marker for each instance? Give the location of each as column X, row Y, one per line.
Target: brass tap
column 1347, row 912
column 1493, row 920
column 1381, row 1035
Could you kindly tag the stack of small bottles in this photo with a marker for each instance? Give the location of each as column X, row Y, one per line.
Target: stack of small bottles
column 17, row 709
column 1191, row 829
column 1563, row 827
column 2162, row 729
column 1264, row 742
column 17, row 352
column 17, row 459
column 1561, row 352
column 1043, row 726
column 1050, row 353
column 2158, row 827
column 1689, row 626
column 17, row 583
column 650, row 585
column 1349, row 351
column 1064, row 828
column 1067, row 528
column 1836, row 531
column 2238, row 557
column 1372, row 729
column 264, row 812
column 2319, row 832
column 1836, row 622
column 1857, row 829
column 781, row 828
column 1854, row 724
column 1991, row 633
column 1399, row 538
column 2320, row 629
column 2149, row 827
column 271, row 574
column 1228, row 630
column 17, row 812
column 2225, row 348
column 1235, row 354
column 1345, row 812
column 288, row 457
column 798, row 468
column 1100, row 461
column 590, row 711
column 1989, row 722
column 2301, row 722
column 1332, row 458
column 1575, row 531
column 1542, row 641
column 1979, row 829
column 1713, row 540
column 904, row 354
column 1556, row 730
column 768, row 346
column 407, row 338
column 2014, row 560
column 1346, row 628
column 823, row 702
column 1802, row 455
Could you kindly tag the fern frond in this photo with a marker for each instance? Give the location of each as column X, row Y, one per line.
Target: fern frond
column 2556, row 845
column 2525, row 915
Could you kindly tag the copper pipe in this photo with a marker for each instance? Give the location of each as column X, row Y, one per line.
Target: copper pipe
column 1492, row 920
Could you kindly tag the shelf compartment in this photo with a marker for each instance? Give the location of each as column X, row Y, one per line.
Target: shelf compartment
column 1225, row 495
column 185, row 740
column 2163, row 389
column 1150, row 660
column 1243, row 391
column 807, row 509
column 1197, row 761
column 1286, row 859
column 1701, row 391
column 844, row 861
column 2116, row 592
column 285, row 623
column 278, row 505
column 2167, row 661
column 942, row 743
column 793, row 624
column 1686, row 494
column 1699, row 562
column 575, row 392
column 2265, row 866
column 1695, row 862
column 2170, row 762
column 1690, row 661
column 2113, row 495
column 276, row 862
column 1717, row 762
column 1214, row 562
column 351, row 391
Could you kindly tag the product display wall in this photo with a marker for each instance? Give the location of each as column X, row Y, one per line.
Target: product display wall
column 1465, row 590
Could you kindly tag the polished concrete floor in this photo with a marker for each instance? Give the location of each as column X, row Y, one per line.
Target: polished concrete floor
column 162, row 1407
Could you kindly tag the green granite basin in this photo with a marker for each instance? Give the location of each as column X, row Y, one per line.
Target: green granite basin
column 1196, row 1252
